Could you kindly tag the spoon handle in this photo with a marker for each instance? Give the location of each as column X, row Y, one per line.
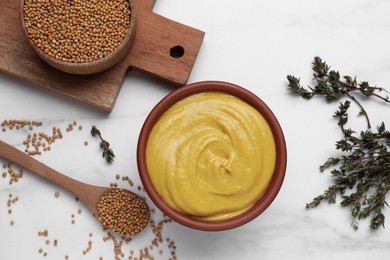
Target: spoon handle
column 26, row 161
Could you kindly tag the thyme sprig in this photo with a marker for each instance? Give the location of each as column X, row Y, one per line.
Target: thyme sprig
column 333, row 87
column 108, row 153
column 363, row 170
column 361, row 175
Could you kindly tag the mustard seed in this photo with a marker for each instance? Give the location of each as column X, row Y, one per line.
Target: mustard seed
column 44, row 233
column 83, row 31
column 123, row 212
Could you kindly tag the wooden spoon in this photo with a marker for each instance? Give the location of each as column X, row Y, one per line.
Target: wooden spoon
column 89, row 194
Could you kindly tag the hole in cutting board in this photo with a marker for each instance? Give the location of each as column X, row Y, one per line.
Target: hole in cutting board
column 177, row 51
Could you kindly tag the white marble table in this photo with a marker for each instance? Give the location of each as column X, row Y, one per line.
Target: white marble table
column 252, row 43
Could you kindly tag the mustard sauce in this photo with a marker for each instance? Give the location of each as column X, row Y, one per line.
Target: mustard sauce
column 211, row 156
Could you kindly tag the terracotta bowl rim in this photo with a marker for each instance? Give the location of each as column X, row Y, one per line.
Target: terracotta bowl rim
column 281, row 155
column 90, row 67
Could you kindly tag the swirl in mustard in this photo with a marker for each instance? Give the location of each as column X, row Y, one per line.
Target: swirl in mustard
column 211, row 156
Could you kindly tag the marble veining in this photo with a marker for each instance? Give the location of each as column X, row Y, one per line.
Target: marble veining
column 252, row 43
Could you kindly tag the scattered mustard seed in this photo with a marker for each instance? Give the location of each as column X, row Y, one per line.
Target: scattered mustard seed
column 88, row 248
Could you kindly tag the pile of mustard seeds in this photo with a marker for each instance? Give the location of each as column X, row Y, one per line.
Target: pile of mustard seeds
column 77, row 31
column 123, row 212
column 155, row 249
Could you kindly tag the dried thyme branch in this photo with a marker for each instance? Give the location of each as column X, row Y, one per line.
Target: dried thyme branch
column 361, row 175
column 328, row 83
column 108, row 154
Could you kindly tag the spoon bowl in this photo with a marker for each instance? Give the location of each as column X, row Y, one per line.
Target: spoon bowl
column 89, row 194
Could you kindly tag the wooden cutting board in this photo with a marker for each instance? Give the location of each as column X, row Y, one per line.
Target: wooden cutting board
column 150, row 52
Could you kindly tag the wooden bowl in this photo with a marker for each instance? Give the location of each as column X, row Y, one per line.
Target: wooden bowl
column 87, row 67
column 281, row 155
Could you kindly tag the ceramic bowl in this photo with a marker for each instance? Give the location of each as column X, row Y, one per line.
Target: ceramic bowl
column 281, row 155
column 87, row 67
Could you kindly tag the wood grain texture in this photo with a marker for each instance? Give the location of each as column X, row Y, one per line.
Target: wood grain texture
column 89, row 194
column 149, row 53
